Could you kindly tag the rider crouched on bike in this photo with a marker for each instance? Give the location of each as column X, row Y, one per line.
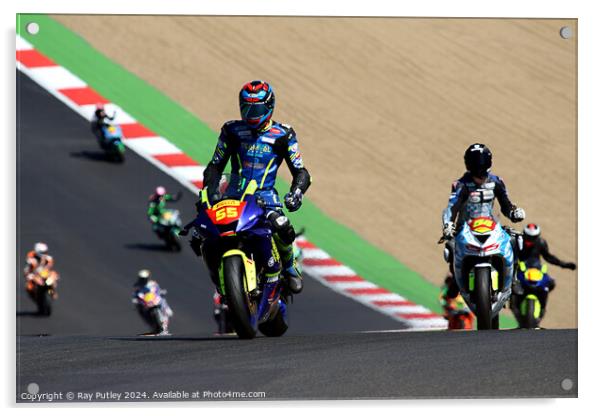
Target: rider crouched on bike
column 36, row 259
column 256, row 145
column 473, row 195
column 145, row 284
column 156, row 205
column 535, row 247
column 100, row 119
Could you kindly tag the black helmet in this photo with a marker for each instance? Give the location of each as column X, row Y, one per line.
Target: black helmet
column 477, row 159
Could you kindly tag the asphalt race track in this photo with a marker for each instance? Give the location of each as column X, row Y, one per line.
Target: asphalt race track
column 92, row 215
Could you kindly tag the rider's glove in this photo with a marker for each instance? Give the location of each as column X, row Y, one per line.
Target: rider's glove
column 449, row 229
column 292, row 200
column 517, row 215
column 570, row 266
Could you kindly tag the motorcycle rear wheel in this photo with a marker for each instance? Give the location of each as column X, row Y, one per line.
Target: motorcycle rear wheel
column 238, row 301
column 482, row 298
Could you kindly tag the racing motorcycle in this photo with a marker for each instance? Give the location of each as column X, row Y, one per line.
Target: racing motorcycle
column 227, row 228
column 221, row 315
column 168, row 227
column 531, row 297
column 113, row 142
column 42, row 289
column 153, row 307
column 458, row 315
column 484, row 267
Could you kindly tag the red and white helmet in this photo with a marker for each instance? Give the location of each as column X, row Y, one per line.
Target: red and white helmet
column 532, row 230
column 160, row 191
column 40, row 248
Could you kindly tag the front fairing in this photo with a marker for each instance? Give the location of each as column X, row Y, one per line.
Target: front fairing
column 205, row 226
column 469, row 251
column 252, row 214
column 112, row 132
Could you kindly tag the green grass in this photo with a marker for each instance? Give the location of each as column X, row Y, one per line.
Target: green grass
column 169, row 119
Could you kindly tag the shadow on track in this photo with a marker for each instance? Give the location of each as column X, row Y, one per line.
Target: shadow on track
column 97, row 156
column 145, row 338
column 34, row 314
column 149, row 247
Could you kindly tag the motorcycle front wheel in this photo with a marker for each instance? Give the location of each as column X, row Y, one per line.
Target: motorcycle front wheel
column 482, row 298
column 240, row 306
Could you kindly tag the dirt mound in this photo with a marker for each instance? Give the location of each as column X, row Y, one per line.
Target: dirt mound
column 384, row 108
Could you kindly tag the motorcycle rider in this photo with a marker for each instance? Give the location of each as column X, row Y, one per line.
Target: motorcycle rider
column 39, row 257
column 453, row 305
column 473, row 195
column 256, row 145
column 534, row 248
column 156, row 205
column 145, row 284
column 99, row 120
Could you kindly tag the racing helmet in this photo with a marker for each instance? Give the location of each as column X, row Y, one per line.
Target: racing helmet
column 256, row 100
column 477, row 159
column 40, row 248
column 160, row 191
column 531, row 231
column 144, row 274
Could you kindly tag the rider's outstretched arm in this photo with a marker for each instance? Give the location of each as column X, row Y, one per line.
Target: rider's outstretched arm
column 501, row 193
column 458, row 195
column 552, row 259
column 292, row 155
column 221, row 155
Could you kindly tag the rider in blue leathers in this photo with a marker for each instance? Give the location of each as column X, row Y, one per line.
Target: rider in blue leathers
column 473, row 195
column 256, row 146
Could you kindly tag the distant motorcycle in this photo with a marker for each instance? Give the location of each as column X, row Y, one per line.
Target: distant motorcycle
column 459, row 315
column 531, row 297
column 41, row 287
column 113, row 142
column 221, row 315
column 228, row 228
column 483, row 268
column 168, row 227
column 153, row 307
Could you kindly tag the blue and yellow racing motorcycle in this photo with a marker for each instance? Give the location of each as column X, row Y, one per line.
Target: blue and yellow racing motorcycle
column 228, row 227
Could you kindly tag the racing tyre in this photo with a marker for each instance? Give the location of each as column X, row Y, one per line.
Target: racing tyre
column 44, row 302
column 482, row 297
column 528, row 318
column 241, row 308
column 156, row 319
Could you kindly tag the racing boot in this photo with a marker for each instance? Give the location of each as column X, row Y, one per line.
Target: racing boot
column 290, row 269
column 293, row 277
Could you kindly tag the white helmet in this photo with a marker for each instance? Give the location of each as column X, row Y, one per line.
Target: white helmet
column 40, row 248
column 160, row 190
column 144, row 274
column 532, row 230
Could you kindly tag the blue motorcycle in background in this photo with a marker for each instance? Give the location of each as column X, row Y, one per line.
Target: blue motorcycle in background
column 530, row 300
column 112, row 142
column 228, row 227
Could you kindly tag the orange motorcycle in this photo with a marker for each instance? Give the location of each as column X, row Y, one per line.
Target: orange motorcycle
column 41, row 287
